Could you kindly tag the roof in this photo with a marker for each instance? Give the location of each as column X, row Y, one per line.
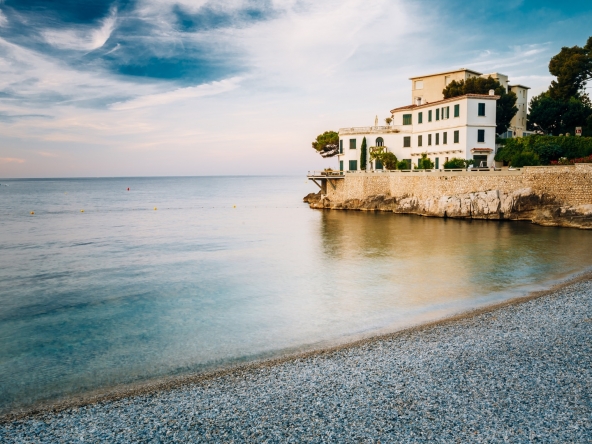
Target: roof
column 446, row 72
column 452, row 99
column 520, row 86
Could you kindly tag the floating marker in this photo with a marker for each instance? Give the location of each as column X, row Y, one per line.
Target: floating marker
column 155, row 208
column 128, row 188
column 32, row 212
column 82, row 211
column 234, row 206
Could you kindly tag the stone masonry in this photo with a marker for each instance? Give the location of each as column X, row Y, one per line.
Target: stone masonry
column 553, row 195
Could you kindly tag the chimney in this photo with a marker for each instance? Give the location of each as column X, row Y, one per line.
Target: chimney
column 492, row 92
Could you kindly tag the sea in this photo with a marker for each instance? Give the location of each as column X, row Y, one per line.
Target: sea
column 109, row 282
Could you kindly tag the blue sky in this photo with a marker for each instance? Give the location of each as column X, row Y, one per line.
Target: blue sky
column 154, row 87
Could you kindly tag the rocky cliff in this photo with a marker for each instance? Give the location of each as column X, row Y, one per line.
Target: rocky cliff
column 520, row 204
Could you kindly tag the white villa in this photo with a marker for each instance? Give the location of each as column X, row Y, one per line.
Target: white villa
column 462, row 127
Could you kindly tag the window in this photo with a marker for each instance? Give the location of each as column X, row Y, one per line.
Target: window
column 429, row 139
column 481, row 109
column 437, row 138
column 379, row 141
column 456, row 136
column 437, row 162
column 444, row 138
column 419, row 84
column 437, row 113
column 445, row 112
column 480, row 135
column 420, row 118
column 456, row 110
column 353, row 165
column 406, row 141
column 429, row 115
column 341, row 147
column 378, row 165
column 446, row 80
column 341, row 165
column 352, row 144
column 419, row 140
column 407, row 119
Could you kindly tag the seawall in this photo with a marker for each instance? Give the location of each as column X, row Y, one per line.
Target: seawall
column 553, row 195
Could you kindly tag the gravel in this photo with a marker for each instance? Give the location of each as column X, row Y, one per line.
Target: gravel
column 520, row 373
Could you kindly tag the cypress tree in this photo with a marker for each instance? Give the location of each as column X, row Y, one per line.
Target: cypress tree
column 363, row 155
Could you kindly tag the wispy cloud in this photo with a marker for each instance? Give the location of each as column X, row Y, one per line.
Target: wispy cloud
column 82, row 37
column 11, row 160
column 208, row 89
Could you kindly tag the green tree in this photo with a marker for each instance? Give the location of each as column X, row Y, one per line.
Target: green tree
column 526, row 158
column 388, row 159
column 363, row 154
column 455, row 162
column 403, row 165
column 424, row 163
column 327, row 144
column 573, row 68
column 505, row 107
column 555, row 116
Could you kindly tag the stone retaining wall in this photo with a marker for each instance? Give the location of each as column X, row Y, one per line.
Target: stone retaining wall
column 555, row 195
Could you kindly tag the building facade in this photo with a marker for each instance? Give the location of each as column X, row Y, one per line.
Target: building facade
column 462, row 127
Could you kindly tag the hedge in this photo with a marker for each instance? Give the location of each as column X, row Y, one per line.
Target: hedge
column 548, row 148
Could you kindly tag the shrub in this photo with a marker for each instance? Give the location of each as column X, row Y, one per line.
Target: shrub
column 548, row 148
column 424, row 163
column 455, row 162
column 404, row 165
column 525, row 158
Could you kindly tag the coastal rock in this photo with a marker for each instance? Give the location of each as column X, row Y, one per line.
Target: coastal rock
column 521, row 204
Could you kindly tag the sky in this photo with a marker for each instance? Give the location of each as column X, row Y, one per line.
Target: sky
column 104, row 88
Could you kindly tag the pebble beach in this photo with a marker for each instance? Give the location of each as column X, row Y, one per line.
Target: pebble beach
column 519, row 372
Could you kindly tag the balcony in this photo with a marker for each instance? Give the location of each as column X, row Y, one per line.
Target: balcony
column 371, row 130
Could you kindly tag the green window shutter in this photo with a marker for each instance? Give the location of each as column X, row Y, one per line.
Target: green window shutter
column 407, row 141
column 437, row 138
column 420, row 118
column 429, row 115
column 456, row 136
column 480, row 135
column 341, row 147
column 456, row 110
column 437, row 162
column 353, row 165
column 352, row 144
column 437, row 113
column 429, row 139
column 407, row 119
column 444, row 138
column 419, row 140
column 341, row 165
column 481, row 109
column 379, row 165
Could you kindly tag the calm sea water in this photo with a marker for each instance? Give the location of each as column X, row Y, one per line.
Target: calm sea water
column 122, row 292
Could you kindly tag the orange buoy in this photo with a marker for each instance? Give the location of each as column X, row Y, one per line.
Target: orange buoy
column 82, row 211
column 128, row 188
column 155, row 208
column 32, row 212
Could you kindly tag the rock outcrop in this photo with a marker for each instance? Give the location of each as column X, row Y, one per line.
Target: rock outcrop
column 521, row 204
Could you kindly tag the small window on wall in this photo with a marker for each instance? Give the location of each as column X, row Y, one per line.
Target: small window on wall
column 429, row 115
column 456, row 136
column 353, row 165
column 437, row 162
column 407, row 119
column 419, row 140
column 481, row 111
column 480, row 135
column 437, row 138
column 419, row 84
column 437, row 113
column 456, row 110
column 419, row 117
column 341, row 147
column 444, row 138
column 341, row 165
column 352, row 144
column 407, row 141
column 446, row 112
column 379, row 141
column 429, row 139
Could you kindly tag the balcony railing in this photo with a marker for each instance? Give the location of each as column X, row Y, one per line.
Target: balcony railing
column 371, row 129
